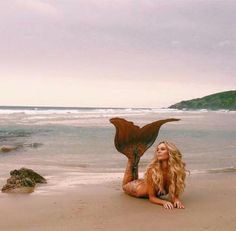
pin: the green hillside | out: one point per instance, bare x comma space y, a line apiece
223, 100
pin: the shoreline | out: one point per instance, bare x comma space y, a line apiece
73, 178
209, 200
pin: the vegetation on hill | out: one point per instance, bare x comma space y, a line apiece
223, 100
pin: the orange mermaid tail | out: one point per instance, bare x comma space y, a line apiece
133, 141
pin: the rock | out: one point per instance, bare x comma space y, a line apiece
25, 173
7, 148
22, 181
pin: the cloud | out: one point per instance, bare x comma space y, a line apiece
39, 6
224, 43
121, 40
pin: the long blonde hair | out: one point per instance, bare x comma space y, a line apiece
176, 175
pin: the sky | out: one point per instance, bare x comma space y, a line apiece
115, 53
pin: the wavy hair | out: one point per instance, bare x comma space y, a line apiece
176, 175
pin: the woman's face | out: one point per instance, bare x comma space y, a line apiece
162, 152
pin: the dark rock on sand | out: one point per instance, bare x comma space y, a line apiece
7, 148
22, 181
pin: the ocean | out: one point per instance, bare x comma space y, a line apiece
71, 146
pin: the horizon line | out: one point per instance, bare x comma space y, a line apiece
75, 107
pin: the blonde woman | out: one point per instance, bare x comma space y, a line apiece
165, 175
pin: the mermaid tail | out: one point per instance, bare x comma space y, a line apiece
133, 141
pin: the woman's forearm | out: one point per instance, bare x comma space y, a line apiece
156, 200
164, 203
174, 198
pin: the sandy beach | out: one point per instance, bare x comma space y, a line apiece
84, 171
209, 199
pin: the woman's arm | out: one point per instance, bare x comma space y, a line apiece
154, 199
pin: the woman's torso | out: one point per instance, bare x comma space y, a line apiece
141, 187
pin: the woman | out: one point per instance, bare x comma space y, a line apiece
164, 175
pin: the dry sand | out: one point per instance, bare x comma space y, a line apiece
210, 201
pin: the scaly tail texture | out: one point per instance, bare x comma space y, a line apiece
133, 141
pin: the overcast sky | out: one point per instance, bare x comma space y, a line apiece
115, 53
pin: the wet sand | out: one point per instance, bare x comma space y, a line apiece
209, 199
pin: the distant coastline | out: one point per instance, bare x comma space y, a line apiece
219, 101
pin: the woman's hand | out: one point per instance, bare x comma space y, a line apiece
178, 204
168, 205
